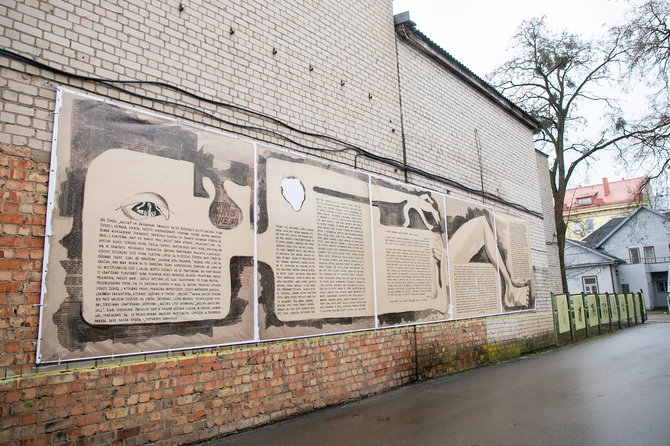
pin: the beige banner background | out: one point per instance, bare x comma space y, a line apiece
152, 244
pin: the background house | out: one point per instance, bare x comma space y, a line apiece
634, 249
587, 208
589, 270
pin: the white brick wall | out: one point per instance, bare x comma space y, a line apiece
343, 41
441, 116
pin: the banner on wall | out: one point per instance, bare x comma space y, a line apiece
515, 262
314, 247
151, 236
152, 243
473, 259
410, 253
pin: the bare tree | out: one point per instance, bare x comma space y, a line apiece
553, 76
647, 41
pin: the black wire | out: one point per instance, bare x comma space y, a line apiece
110, 83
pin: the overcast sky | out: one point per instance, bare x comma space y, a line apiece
477, 33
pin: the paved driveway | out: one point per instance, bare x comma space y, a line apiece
610, 390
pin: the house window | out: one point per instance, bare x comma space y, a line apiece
577, 227
649, 254
584, 201
662, 286
589, 225
634, 255
590, 284
625, 288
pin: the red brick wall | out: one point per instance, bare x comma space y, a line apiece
23, 197
200, 396
450, 347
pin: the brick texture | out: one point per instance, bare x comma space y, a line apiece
330, 67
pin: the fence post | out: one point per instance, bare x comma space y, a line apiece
554, 313
587, 316
609, 309
598, 313
571, 314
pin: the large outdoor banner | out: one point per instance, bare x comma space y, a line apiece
151, 243
314, 247
164, 235
515, 263
410, 253
473, 259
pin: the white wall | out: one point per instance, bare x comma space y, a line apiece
602, 274
645, 228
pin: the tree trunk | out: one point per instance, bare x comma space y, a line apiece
561, 227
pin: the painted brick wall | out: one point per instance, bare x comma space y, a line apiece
447, 124
187, 396
552, 277
343, 42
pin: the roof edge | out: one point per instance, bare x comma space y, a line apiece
602, 254
406, 29
625, 220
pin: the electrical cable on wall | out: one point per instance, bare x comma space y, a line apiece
115, 84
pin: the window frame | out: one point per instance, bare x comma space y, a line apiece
595, 278
630, 255
653, 254
589, 225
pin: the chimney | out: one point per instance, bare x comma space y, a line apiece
606, 187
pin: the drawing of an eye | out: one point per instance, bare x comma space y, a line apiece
145, 205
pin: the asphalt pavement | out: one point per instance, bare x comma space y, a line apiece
614, 389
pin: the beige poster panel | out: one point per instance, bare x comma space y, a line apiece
592, 310
623, 311
314, 247
631, 307
604, 308
152, 237
562, 313
514, 262
473, 265
410, 253
614, 308
578, 311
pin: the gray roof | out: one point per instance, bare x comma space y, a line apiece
609, 258
600, 235
594, 238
